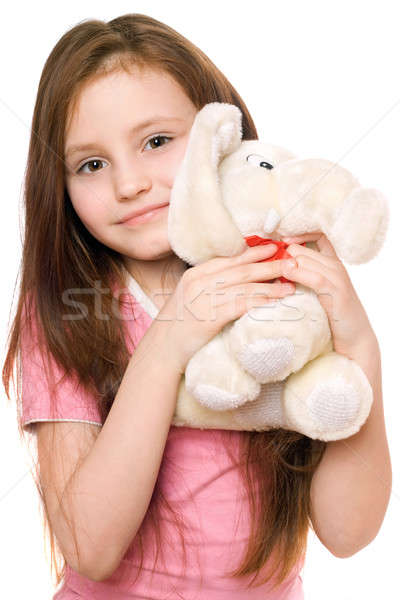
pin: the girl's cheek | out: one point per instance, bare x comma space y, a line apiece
89, 205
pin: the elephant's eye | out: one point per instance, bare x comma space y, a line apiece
258, 161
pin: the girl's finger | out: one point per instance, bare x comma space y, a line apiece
326, 247
313, 274
312, 236
323, 244
259, 272
251, 291
296, 250
251, 254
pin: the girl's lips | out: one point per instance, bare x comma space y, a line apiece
148, 216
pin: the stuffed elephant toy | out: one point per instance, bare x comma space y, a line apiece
275, 366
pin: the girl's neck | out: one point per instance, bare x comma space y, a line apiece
148, 274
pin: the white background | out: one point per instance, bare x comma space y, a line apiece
320, 78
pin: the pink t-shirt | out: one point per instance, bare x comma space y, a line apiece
201, 483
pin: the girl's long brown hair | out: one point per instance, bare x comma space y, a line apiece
59, 253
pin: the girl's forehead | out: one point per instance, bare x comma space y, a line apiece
134, 74
139, 84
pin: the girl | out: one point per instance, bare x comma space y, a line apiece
137, 508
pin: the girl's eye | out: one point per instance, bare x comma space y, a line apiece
97, 160
90, 162
158, 137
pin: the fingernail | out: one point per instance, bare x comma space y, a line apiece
291, 264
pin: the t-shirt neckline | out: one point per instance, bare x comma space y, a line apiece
140, 296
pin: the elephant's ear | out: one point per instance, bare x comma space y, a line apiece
364, 219
199, 226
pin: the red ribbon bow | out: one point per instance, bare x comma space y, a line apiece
255, 240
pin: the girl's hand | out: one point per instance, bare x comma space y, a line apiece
210, 295
324, 273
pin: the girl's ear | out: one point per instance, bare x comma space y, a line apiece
199, 226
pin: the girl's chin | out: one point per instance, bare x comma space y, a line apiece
153, 253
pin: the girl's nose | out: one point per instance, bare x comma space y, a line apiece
131, 181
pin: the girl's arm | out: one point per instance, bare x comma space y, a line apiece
351, 487
109, 493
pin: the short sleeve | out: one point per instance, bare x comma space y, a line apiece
66, 400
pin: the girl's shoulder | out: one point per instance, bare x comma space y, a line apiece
46, 392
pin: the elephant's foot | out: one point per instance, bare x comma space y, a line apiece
329, 399
217, 398
268, 360
215, 378
334, 404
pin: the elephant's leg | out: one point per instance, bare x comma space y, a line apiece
215, 378
277, 339
265, 412
328, 399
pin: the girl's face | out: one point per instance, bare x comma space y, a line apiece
137, 127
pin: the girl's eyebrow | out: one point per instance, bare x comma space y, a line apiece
135, 129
